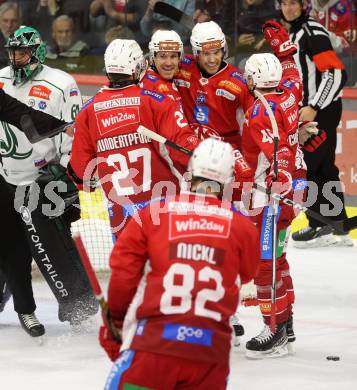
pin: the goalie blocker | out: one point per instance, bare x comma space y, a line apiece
47, 224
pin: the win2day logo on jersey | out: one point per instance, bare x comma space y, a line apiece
110, 120
190, 225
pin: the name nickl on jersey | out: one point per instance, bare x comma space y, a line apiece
120, 102
288, 103
196, 252
121, 141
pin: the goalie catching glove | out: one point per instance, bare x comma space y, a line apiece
278, 39
310, 137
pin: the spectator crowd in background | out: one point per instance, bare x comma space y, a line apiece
81, 28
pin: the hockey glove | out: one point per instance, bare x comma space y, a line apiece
54, 172
310, 137
278, 39
111, 346
280, 184
242, 170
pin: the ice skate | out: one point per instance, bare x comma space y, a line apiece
5, 295
32, 326
268, 344
313, 237
343, 240
238, 330
291, 335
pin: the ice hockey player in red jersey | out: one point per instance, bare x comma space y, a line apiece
166, 51
214, 93
174, 308
131, 168
277, 78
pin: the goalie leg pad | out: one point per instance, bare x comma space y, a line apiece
55, 254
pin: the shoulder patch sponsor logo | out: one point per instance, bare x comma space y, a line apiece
288, 84
226, 94
155, 95
191, 225
163, 88
185, 74
288, 103
73, 92
151, 77
118, 117
230, 86
255, 110
182, 83
32, 102
120, 102
40, 91
2, 85
187, 334
186, 60
42, 105
238, 75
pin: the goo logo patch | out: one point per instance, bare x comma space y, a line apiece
187, 334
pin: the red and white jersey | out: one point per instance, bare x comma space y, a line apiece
257, 139
336, 16
216, 102
131, 167
152, 80
181, 299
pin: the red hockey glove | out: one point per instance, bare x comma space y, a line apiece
282, 184
242, 171
108, 343
278, 39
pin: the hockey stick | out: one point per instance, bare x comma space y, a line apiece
96, 288
33, 135
275, 207
343, 226
174, 13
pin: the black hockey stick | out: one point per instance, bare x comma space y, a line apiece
174, 13
342, 226
32, 133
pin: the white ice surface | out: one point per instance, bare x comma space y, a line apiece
325, 324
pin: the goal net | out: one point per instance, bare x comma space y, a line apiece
94, 228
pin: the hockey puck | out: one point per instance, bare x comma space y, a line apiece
334, 358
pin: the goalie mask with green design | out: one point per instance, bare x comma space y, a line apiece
25, 40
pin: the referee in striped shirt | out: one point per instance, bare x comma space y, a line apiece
323, 77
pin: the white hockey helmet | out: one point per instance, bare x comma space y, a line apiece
207, 36
265, 70
213, 159
124, 56
165, 40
